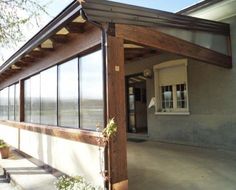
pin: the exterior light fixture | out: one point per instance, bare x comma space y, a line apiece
147, 73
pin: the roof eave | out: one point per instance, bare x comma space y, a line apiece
68, 14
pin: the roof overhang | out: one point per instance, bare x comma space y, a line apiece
102, 11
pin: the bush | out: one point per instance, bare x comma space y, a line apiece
74, 183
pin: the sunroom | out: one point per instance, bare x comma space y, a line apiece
61, 88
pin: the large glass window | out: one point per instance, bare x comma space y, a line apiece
35, 99
11, 102
17, 98
68, 94
27, 100
91, 90
4, 104
49, 96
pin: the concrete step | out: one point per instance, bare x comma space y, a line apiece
25, 175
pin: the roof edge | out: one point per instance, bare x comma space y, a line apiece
198, 6
68, 13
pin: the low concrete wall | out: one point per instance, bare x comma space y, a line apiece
70, 157
10, 135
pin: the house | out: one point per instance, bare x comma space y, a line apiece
161, 76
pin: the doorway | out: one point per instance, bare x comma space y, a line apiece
136, 101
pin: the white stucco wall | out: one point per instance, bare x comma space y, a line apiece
70, 157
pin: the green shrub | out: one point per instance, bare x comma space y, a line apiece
74, 183
3, 144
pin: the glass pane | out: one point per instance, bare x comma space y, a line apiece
27, 100
35, 99
12, 102
68, 94
49, 96
1, 107
91, 90
167, 97
181, 95
4, 104
17, 97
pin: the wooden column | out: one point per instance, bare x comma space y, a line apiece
117, 153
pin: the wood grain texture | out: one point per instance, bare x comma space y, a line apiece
156, 39
78, 44
88, 137
116, 108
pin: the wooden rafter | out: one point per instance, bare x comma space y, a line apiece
59, 38
75, 27
156, 39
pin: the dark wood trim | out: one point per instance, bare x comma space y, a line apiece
80, 44
21, 101
61, 20
117, 151
88, 137
153, 38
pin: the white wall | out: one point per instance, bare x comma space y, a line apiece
70, 157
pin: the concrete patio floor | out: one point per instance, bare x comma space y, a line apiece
160, 166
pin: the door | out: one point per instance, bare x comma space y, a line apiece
136, 103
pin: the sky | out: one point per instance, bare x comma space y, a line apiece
56, 6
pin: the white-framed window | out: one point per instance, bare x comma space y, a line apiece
171, 87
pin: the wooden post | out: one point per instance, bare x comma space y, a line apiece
117, 153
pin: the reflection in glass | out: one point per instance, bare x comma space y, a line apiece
27, 99
12, 103
35, 99
4, 104
91, 90
1, 107
167, 97
68, 94
181, 95
17, 97
49, 96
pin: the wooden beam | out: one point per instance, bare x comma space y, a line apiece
156, 39
117, 166
75, 27
60, 38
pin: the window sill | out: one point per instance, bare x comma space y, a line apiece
172, 113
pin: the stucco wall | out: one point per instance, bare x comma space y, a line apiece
212, 92
70, 157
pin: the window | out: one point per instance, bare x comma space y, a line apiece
11, 102
68, 115
91, 90
49, 96
27, 100
167, 97
17, 98
35, 99
171, 87
67, 95
4, 104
